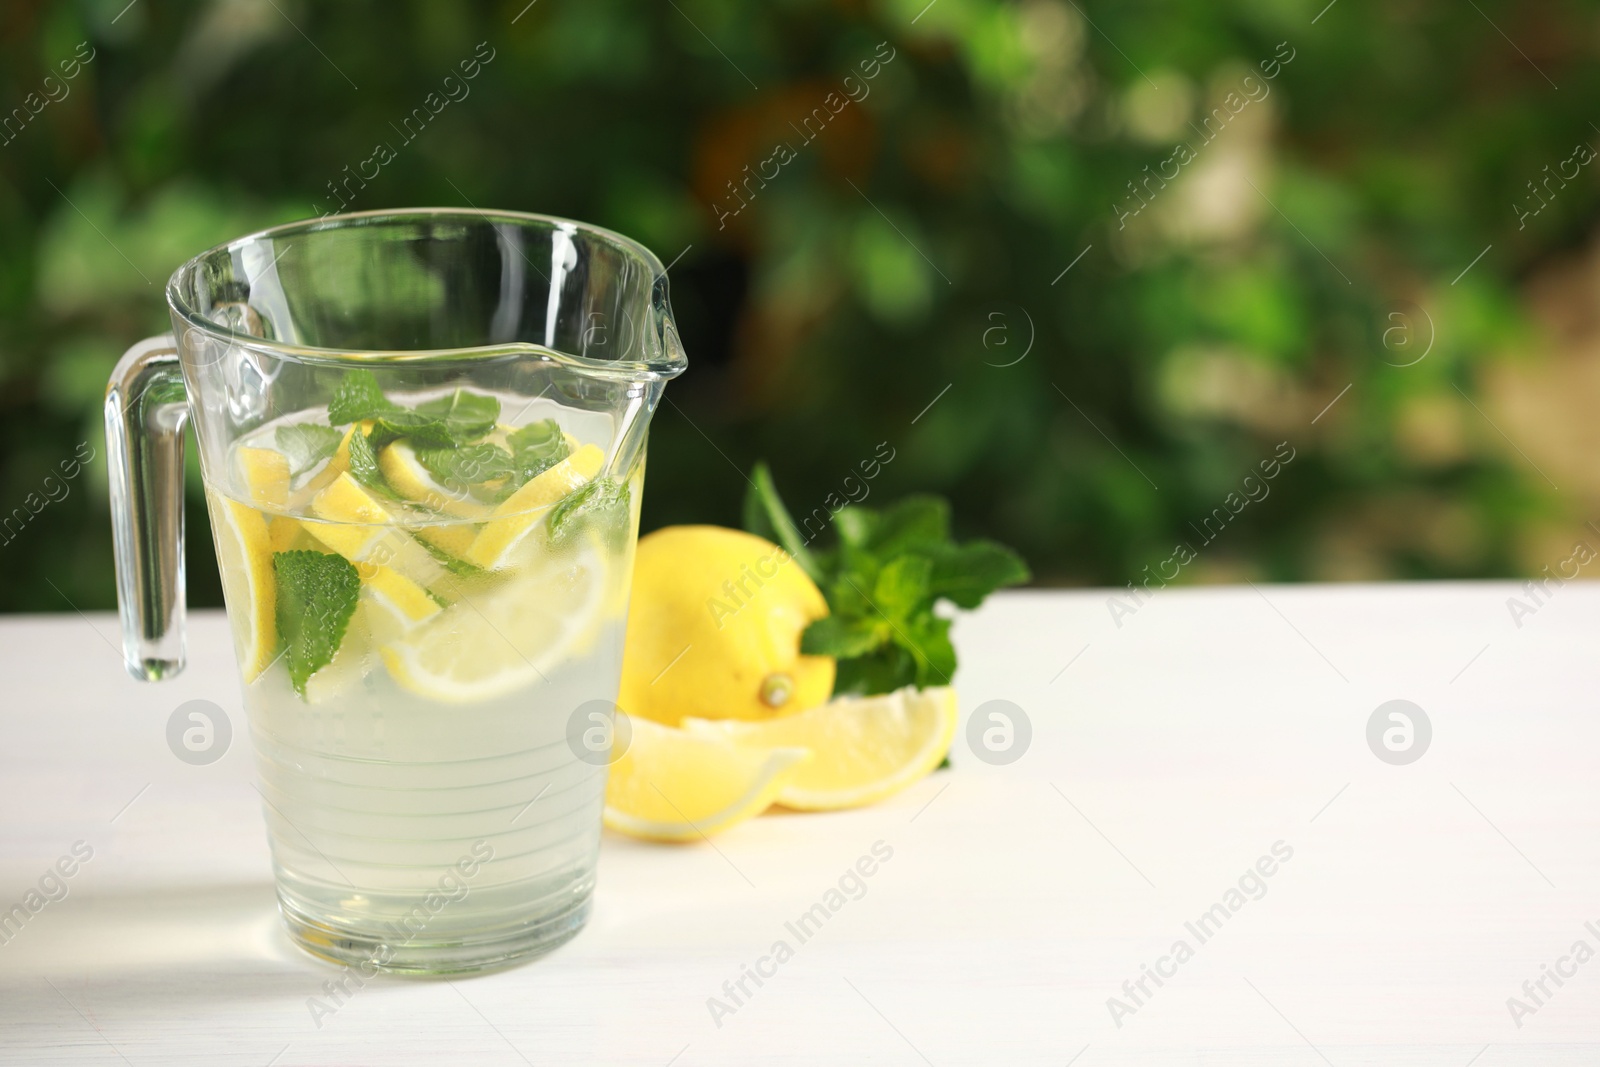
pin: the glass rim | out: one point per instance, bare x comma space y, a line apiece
669, 366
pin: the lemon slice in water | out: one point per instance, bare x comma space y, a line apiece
244, 555
492, 643
265, 474
411, 479
362, 530
520, 512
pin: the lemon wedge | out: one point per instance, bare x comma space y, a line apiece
339, 462
265, 475
867, 748
411, 479
516, 634
520, 512
671, 785
453, 539
286, 534
244, 555
363, 531
394, 603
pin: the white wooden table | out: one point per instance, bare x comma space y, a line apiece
1166, 760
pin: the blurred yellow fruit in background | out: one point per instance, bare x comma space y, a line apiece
714, 629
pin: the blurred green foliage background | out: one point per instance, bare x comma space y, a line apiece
960, 234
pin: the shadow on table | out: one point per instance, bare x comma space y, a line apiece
141, 934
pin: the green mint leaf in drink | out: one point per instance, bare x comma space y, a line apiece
307, 444
358, 397
317, 594
465, 416
424, 431
535, 448
467, 466
364, 466
602, 503
542, 436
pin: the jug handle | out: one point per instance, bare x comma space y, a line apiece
146, 411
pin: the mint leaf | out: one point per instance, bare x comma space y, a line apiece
965, 574
855, 525
358, 397
424, 431
833, 635
915, 522
465, 416
765, 516
306, 444
317, 594
543, 436
535, 448
902, 586
882, 670
927, 638
469, 465
602, 501
890, 569
364, 466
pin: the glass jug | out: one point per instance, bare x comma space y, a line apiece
422, 435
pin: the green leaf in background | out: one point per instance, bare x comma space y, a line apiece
841, 638
465, 416
765, 516
358, 397
307, 444
911, 523
882, 670
965, 574
882, 585
902, 587
317, 594
854, 526
927, 638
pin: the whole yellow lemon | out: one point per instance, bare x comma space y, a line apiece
714, 629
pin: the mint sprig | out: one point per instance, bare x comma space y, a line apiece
317, 594
887, 571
